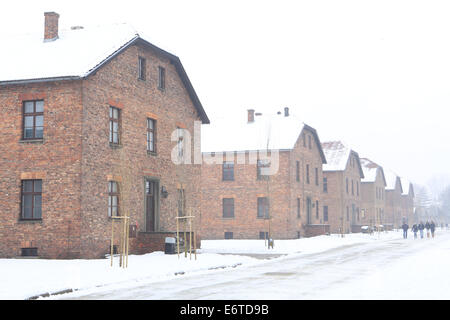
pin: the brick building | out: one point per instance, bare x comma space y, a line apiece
393, 205
89, 118
343, 174
408, 201
262, 176
372, 193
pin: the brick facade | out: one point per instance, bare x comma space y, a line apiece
343, 196
393, 206
373, 199
282, 189
75, 159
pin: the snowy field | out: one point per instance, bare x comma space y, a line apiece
24, 278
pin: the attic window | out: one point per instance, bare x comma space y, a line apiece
161, 78
141, 68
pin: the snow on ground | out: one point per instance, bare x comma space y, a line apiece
303, 245
23, 278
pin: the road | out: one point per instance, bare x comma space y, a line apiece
384, 269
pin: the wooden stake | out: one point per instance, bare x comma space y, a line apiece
112, 240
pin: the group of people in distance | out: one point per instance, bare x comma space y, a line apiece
429, 226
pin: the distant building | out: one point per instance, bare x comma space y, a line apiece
408, 202
373, 194
343, 174
239, 201
393, 205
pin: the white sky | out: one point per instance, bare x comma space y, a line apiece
375, 74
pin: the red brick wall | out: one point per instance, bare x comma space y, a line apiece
283, 190
56, 160
77, 159
338, 199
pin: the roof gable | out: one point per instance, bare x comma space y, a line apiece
338, 155
371, 171
266, 132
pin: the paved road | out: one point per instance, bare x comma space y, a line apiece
361, 271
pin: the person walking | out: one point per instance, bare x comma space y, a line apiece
421, 227
432, 228
405, 230
415, 229
427, 226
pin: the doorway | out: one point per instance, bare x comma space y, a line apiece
151, 205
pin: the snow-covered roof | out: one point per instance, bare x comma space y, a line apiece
406, 186
74, 54
391, 179
337, 154
370, 170
267, 132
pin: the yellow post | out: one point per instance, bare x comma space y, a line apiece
124, 242
178, 240
195, 243
128, 236
112, 240
190, 239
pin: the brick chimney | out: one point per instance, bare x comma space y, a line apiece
51, 26
251, 115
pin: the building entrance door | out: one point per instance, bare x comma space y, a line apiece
308, 210
150, 205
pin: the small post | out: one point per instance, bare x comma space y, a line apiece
178, 240
190, 239
128, 235
195, 243
112, 240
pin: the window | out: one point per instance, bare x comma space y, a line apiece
304, 140
263, 207
259, 165
33, 119
181, 202
114, 119
348, 214
298, 208
228, 207
357, 189
141, 68
353, 190
228, 171
325, 213
325, 185
307, 173
346, 185
263, 235
180, 143
297, 170
161, 78
113, 199
316, 171
309, 142
29, 252
31, 200
317, 209
151, 135
228, 235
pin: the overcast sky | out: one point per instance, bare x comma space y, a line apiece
375, 74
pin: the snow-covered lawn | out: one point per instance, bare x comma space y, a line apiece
24, 278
